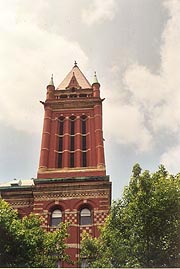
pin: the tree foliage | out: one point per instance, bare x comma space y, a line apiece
143, 228
23, 243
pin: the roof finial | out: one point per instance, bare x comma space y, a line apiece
95, 80
51, 83
75, 63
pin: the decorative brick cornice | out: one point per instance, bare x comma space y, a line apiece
70, 195
21, 203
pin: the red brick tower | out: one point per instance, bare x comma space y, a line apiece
72, 162
72, 140
71, 183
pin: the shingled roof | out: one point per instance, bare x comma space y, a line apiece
77, 77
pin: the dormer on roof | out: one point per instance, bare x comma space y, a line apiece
73, 84
75, 77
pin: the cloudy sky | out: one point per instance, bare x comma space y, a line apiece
134, 45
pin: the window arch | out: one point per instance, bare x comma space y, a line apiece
56, 217
85, 216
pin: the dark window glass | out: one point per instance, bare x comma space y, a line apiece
56, 217
71, 160
72, 140
84, 161
83, 95
60, 144
72, 127
72, 143
83, 141
63, 96
83, 126
59, 160
73, 95
85, 217
61, 127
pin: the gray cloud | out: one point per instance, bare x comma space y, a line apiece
28, 57
157, 95
99, 11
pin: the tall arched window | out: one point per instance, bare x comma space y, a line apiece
72, 140
85, 216
56, 217
83, 141
60, 145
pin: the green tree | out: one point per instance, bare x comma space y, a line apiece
23, 243
55, 246
143, 228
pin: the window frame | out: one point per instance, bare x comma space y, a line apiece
53, 220
85, 219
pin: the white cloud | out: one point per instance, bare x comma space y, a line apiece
154, 104
170, 159
29, 55
99, 11
125, 125
147, 89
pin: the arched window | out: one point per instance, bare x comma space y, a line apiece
72, 140
83, 141
60, 145
85, 217
56, 217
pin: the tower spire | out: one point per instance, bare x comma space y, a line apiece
51, 82
50, 89
96, 86
95, 80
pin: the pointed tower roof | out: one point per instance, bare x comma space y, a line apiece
75, 79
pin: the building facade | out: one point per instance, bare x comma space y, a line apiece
71, 183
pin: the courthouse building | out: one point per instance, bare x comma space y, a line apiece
71, 183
